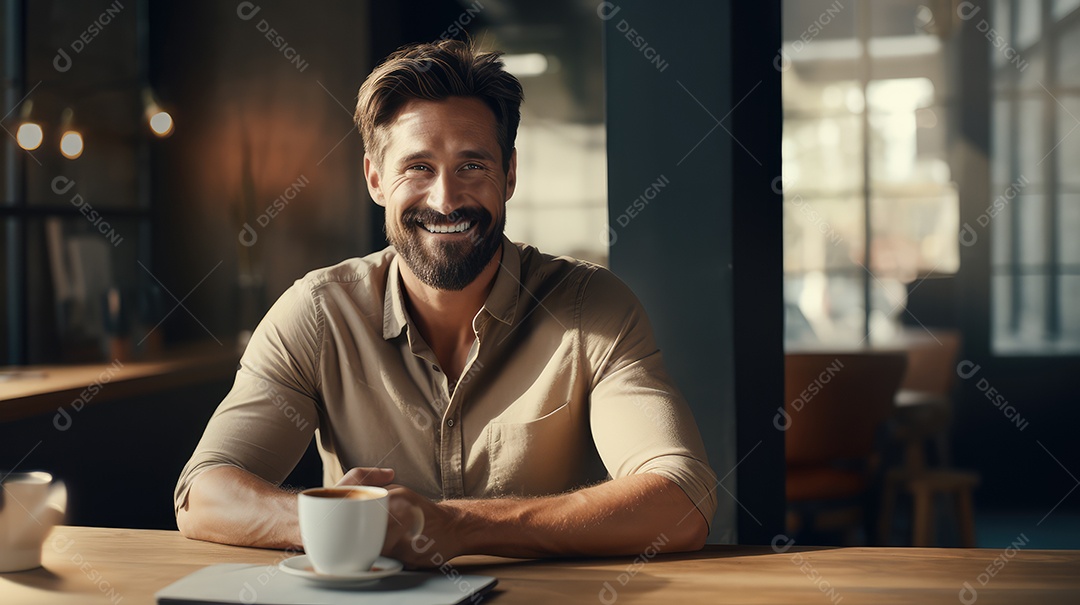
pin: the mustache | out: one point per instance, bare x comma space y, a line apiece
415, 216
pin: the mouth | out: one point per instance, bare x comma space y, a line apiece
451, 229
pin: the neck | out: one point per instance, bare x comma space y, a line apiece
444, 317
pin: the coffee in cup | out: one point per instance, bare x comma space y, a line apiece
343, 528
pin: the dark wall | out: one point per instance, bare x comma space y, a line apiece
119, 459
257, 119
680, 183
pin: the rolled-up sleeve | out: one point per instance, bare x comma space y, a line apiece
640, 422
267, 420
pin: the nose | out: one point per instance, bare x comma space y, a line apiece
442, 196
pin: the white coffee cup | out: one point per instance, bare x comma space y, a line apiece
343, 528
30, 505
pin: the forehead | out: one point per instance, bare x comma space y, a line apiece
446, 125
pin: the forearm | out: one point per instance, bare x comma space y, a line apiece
232, 506
622, 516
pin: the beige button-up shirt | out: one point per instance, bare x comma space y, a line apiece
564, 387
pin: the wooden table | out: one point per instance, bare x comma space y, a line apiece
29, 390
91, 565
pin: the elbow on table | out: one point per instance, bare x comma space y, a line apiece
190, 515
690, 534
187, 521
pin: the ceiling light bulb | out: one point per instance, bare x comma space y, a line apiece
161, 123
29, 136
71, 144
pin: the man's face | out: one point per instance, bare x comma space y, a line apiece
444, 189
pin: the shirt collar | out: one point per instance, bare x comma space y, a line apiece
501, 301
394, 319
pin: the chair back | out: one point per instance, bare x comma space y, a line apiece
932, 363
836, 404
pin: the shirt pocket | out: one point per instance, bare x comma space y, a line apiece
535, 458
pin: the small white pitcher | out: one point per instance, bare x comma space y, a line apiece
30, 505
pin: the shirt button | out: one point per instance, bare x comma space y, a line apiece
450, 422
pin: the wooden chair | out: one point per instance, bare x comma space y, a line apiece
835, 406
924, 414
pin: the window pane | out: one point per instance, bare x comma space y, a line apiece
1031, 65
99, 85
1001, 23
1024, 296
560, 201
915, 236
822, 234
1000, 170
1067, 223
1064, 7
888, 298
804, 97
1030, 148
1000, 228
1068, 56
908, 147
810, 21
824, 308
1068, 133
823, 156
71, 264
1028, 23
1032, 245
1069, 306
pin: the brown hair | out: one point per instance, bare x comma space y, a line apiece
434, 71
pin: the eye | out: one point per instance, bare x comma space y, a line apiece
419, 168
473, 166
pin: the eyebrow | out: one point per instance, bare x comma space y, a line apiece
467, 154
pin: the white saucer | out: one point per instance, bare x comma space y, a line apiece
301, 566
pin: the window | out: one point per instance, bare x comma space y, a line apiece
869, 205
1034, 213
74, 230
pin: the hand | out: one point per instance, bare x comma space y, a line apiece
409, 512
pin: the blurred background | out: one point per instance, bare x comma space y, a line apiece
169, 169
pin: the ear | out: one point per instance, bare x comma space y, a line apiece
511, 175
371, 175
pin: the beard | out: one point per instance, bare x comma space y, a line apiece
446, 265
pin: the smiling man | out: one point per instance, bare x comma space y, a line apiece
516, 399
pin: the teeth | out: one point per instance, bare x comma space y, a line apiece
458, 228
